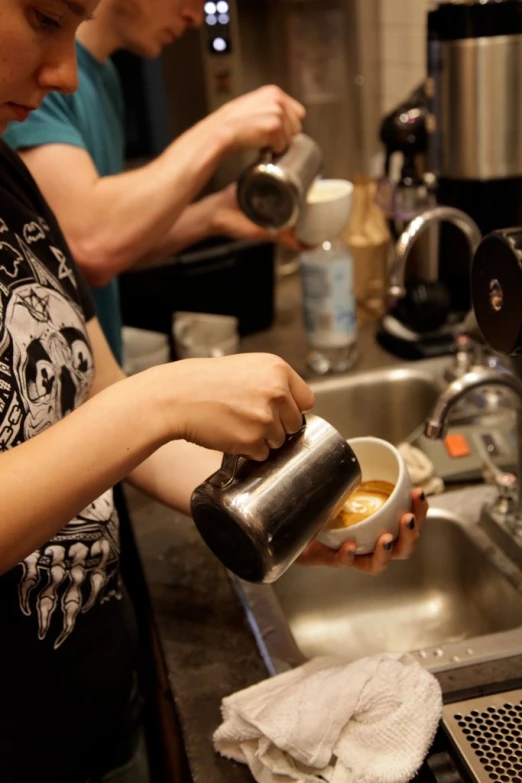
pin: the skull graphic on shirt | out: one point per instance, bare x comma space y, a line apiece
52, 361
53, 369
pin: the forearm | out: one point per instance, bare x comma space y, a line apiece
50, 478
196, 223
171, 474
213, 216
130, 210
112, 222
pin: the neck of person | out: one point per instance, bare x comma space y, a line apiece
98, 38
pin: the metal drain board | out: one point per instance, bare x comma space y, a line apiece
487, 733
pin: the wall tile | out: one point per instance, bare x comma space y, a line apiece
402, 51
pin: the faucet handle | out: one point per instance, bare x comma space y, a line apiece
507, 487
505, 482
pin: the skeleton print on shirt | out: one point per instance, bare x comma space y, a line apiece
46, 371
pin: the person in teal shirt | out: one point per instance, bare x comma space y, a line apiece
74, 145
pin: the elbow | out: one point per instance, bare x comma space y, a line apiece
98, 263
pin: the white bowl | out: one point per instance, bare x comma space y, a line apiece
379, 460
326, 212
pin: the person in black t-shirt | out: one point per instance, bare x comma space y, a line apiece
71, 425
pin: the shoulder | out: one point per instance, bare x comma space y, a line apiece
19, 193
55, 122
15, 177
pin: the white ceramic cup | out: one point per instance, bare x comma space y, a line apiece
324, 216
381, 461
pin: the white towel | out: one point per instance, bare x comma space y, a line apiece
371, 721
421, 469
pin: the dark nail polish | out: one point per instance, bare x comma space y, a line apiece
422, 496
388, 546
411, 523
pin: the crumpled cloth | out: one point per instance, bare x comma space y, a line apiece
371, 721
421, 469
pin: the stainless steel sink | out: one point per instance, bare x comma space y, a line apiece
447, 592
457, 601
387, 404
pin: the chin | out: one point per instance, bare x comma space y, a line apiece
147, 50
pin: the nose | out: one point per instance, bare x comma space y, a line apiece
59, 72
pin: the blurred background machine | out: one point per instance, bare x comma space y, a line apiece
459, 142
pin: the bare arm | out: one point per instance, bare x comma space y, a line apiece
113, 222
215, 215
236, 404
171, 473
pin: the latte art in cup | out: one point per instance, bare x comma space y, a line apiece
365, 501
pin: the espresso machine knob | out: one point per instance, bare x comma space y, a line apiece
496, 290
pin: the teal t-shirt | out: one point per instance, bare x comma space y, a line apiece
93, 119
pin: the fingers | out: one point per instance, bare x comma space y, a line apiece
317, 554
419, 507
406, 542
300, 391
290, 416
294, 113
257, 451
410, 527
297, 109
289, 115
279, 139
377, 562
266, 117
386, 549
276, 434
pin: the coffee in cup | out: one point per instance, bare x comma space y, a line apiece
384, 494
368, 498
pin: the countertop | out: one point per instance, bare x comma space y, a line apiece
206, 642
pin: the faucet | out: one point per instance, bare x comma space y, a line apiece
479, 377
413, 231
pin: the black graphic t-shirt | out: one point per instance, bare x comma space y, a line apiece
67, 632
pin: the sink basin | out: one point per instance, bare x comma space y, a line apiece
447, 592
457, 601
387, 403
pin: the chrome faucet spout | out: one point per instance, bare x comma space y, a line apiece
436, 424
415, 229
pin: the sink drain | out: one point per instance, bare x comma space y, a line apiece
487, 732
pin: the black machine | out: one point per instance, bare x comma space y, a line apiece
219, 276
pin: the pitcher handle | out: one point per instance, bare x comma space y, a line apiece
230, 463
228, 469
